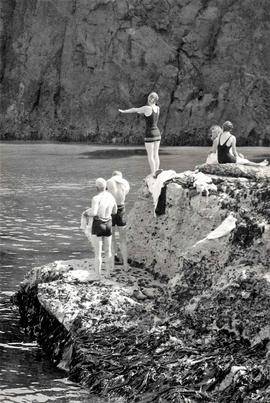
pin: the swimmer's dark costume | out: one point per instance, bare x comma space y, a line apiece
101, 227
119, 218
223, 153
152, 132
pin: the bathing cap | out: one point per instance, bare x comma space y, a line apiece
101, 183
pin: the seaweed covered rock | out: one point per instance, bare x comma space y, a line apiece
235, 170
189, 321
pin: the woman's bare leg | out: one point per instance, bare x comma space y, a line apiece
244, 161
150, 155
156, 155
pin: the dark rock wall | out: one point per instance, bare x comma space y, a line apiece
68, 65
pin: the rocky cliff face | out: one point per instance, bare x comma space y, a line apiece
66, 67
190, 322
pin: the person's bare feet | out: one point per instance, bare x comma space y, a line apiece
158, 171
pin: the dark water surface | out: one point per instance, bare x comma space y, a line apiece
44, 189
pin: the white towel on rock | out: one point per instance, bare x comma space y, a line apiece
156, 184
223, 229
86, 224
203, 182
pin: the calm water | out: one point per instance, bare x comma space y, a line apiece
44, 189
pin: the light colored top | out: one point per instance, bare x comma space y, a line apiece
103, 205
119, 188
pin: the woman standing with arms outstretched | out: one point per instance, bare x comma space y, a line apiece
152, 134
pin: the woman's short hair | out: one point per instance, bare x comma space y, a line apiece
227, 126
153, 94
215, 131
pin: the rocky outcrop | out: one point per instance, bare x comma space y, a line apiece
164, 242
189, 320
67, 66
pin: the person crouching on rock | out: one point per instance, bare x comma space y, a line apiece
152, 135
103, 205
224, 147
119, 188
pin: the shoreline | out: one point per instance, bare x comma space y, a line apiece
121, 145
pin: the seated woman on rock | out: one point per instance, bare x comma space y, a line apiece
224, 147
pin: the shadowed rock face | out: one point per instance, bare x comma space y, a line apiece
67, 66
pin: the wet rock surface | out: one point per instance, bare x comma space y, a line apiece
67, 66
187, 322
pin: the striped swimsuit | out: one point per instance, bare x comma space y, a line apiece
152, 132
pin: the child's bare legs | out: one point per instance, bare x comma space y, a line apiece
123, 245
97, 243
109, 258
114, 244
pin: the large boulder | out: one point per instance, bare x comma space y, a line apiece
163, 242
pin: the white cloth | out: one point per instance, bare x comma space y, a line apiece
156, 184
223, 229
203, 182
212, 159
86, 224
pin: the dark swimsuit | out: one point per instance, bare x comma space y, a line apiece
119, 218
152, 132
101, 227
223, 153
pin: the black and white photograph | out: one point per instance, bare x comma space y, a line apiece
135, 201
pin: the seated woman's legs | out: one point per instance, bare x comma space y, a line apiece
244, 161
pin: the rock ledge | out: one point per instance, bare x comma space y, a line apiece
189, 323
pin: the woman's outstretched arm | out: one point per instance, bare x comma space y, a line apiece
146, 110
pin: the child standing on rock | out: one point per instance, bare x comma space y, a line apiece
102, 207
